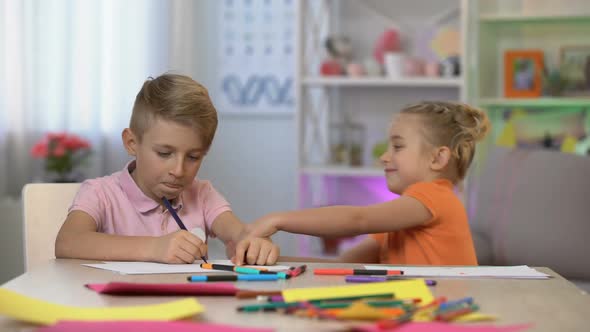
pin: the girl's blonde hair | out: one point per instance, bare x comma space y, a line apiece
455, 125
175, 98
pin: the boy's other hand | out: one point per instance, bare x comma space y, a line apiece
256, 251
180, 247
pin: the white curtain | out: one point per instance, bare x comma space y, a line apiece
75, 66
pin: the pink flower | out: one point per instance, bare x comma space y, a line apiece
39, 150
59, 150
62, 152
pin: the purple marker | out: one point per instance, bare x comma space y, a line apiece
364, 279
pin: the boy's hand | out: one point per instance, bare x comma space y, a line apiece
256, 251
178, 248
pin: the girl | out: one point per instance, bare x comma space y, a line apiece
431, 147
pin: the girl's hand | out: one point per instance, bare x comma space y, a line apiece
263, 227
180, 247
256, 251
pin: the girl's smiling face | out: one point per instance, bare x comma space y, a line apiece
407, 159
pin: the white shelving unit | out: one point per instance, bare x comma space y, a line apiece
368, 101
383, 81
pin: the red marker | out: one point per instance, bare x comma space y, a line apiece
348, 272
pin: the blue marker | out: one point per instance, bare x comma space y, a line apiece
239, 277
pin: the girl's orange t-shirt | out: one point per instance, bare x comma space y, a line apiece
443, 240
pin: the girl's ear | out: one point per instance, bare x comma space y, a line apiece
129, 141
441, 158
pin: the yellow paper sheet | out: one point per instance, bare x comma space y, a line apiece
474, 317
31, 310
403, 289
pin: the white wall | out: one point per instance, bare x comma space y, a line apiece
252, 160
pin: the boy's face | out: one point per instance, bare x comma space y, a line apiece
406, 161
168, 158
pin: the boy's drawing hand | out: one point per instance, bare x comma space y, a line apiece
256, 251
178, 248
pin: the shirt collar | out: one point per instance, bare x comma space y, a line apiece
138, 199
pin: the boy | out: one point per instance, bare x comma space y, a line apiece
123, 216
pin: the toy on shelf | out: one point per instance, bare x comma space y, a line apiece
388, 42
339, 50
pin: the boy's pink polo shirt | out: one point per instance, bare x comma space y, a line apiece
119, 207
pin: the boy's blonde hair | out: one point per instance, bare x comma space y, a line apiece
455, 125
175, 98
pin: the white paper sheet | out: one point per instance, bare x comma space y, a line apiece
158, 268
517, 272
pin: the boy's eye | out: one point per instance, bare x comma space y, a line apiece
164, 154
195, 158
397, 147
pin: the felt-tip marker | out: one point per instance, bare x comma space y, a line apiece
230, 277
345, 272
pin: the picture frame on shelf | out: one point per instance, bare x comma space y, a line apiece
574, 67
523, 73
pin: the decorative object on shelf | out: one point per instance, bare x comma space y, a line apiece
413, 66
446, 42
388, 42
346, 144
354, 69
432, 69
574, 66
63, 153
523, 72
339, 48
331, 67
450, 66
553, 83
565, 129
394, 62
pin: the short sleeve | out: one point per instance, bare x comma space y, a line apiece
425, 193
214, 203
88, 200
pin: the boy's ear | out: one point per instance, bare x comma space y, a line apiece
441, 158
129, 141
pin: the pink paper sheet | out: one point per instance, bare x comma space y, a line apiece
444, 327
143, 326
129, 288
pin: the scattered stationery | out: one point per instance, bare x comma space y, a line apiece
296, 271
251, 294
158, 268
517, 272
245, 270
415, 288
143, 326
130, 288
346, 272
365, 278
177, 219
443, 327
36, 311
232, 277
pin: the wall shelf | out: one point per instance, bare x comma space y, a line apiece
343, 171
519, 18
455, 82
535, 102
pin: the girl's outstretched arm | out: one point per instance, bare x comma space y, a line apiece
397, 214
